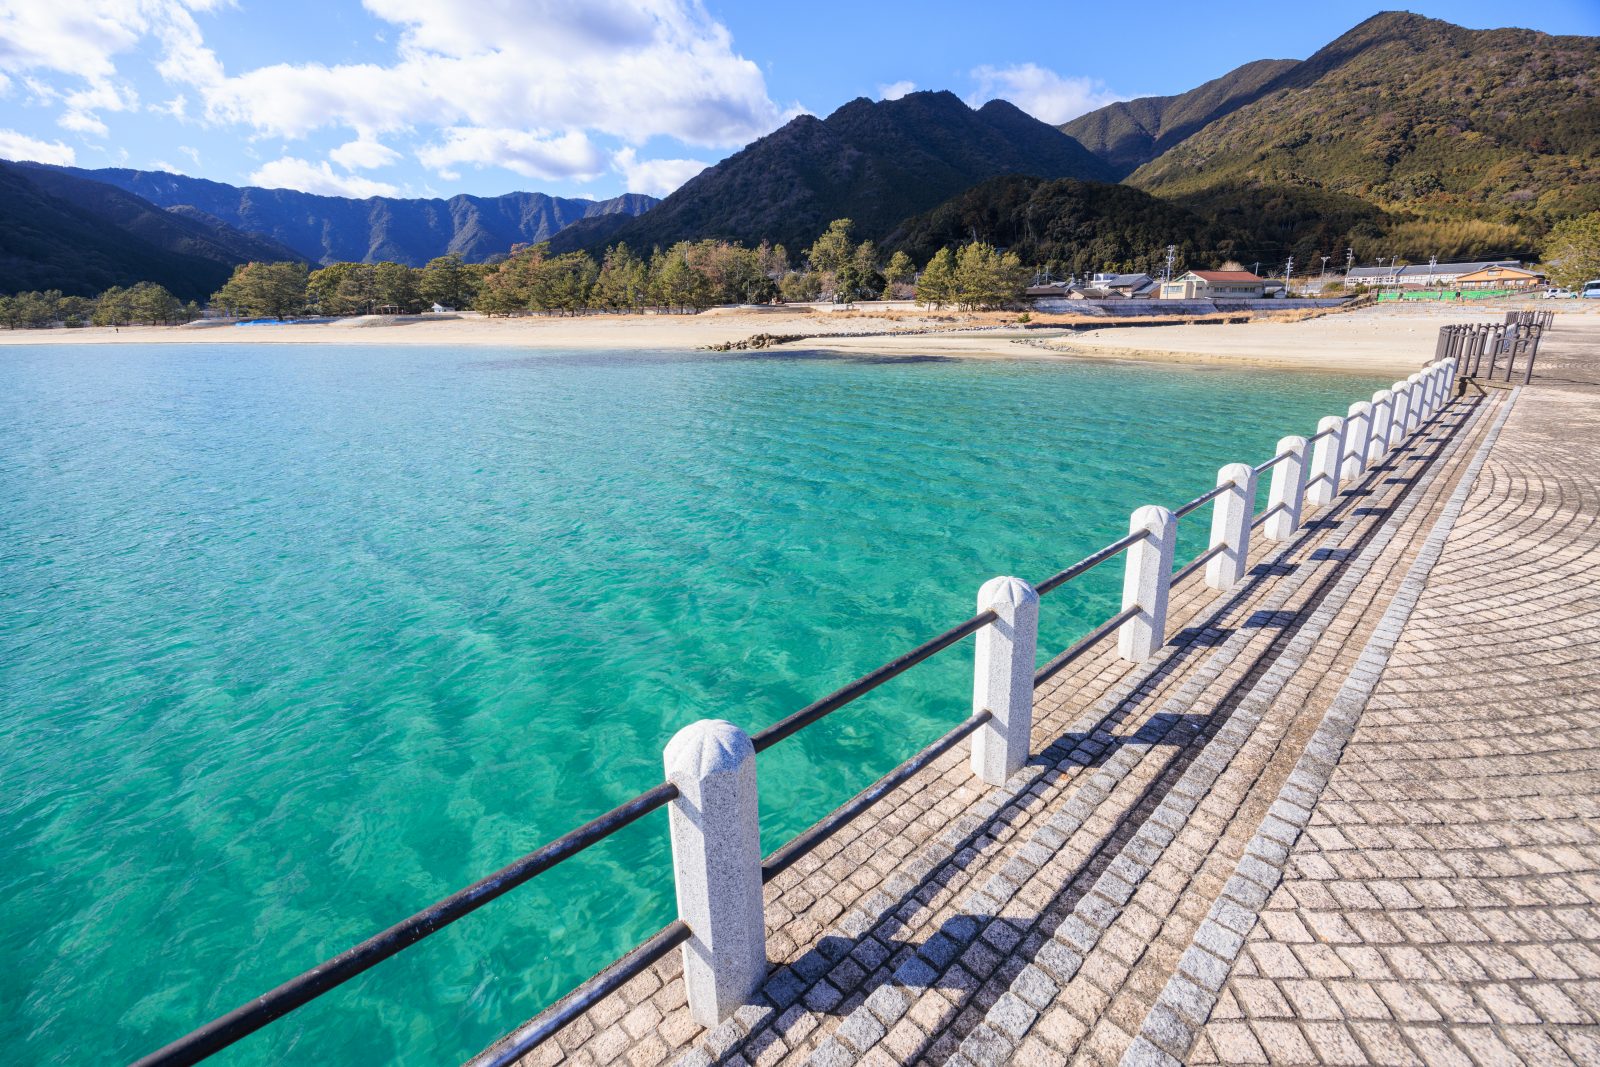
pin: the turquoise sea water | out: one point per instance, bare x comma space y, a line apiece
295, 640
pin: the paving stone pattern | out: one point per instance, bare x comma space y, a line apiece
1443, 905
1347, 815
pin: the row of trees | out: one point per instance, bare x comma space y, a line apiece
688, 276
281, 290
145, 303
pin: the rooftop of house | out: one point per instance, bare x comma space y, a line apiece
1412, 270
1227, 275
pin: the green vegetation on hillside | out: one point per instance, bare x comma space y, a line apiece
1405, 136
1067, 226
1572, 254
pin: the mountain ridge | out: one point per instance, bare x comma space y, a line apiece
58, 231
325, 229
1130, 133
1415, 132
876, 163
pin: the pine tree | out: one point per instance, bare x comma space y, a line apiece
936, 287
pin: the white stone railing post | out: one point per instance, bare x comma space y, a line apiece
1402, 413
1323, 485
1357, 428
1003, 678
1419, 402
1431, 378
716, 857
1146, 581
1288, 489
1230, 525
1382, 415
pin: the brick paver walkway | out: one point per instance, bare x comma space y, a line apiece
1387, 715
1442, 906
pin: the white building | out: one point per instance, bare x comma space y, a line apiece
1214, 285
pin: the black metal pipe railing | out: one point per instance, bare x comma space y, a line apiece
542, 1027
248, 1018
1083, 644
809, 714
1262, 468
1202, 500
1267, 514
1199, 561
789, 854
1090, 562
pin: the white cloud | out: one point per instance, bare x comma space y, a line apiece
84, 106
83, 122
80, 40
570, 155
895, 90
625, 68
363, 155
658, 177
14, 145
521, 84
192, 152
292, 173
1040, 92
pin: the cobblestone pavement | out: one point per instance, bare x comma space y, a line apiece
1442, 904
1302, 832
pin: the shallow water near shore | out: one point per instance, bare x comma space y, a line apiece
296, 640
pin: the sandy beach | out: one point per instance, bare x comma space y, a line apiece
1377, 339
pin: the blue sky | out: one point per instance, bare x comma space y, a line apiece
437, 97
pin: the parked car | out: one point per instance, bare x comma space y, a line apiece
1558, 293
1591, 290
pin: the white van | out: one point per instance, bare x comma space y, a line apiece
1591, 290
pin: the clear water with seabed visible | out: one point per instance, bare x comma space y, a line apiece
296, 639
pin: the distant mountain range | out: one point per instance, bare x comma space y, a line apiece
332, 229
875, 163
1405, 136
58, 231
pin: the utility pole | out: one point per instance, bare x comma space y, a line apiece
1172, 254
1257, 268
1349, 259
1288, 277
1324, 283
1433, 261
